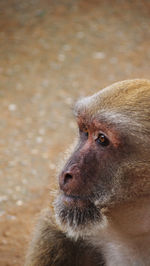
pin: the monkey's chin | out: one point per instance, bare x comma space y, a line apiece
75, 214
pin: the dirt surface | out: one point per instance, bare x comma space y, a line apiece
51, 53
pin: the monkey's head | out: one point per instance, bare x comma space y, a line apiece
111, 162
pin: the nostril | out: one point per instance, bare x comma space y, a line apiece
67, 180
67, 177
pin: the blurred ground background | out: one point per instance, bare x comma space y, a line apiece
52, 53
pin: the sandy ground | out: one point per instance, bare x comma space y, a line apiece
52, 53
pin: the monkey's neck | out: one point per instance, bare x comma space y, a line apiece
125, 239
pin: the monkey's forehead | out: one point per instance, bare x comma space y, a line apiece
129, 98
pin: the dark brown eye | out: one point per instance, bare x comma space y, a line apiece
102, 140
85, 131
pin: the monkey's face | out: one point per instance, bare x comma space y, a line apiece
110, 163
87, 180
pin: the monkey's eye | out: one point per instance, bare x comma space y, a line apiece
102, 140
84, 131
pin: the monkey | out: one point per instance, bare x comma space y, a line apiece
100, 213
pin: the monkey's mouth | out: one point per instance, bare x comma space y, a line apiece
75, 200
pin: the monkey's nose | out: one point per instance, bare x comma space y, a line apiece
67, 177
65, 180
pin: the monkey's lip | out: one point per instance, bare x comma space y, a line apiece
75, 200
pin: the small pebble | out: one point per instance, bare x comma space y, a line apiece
61, 57
39, 139
99, 55
11, 217
24, 181
18, 188
3, 198
4, 241
34, 151
113, 60
67, 47
45, 155
42, 131
12, 107
80, 35
34, 172
19, 203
